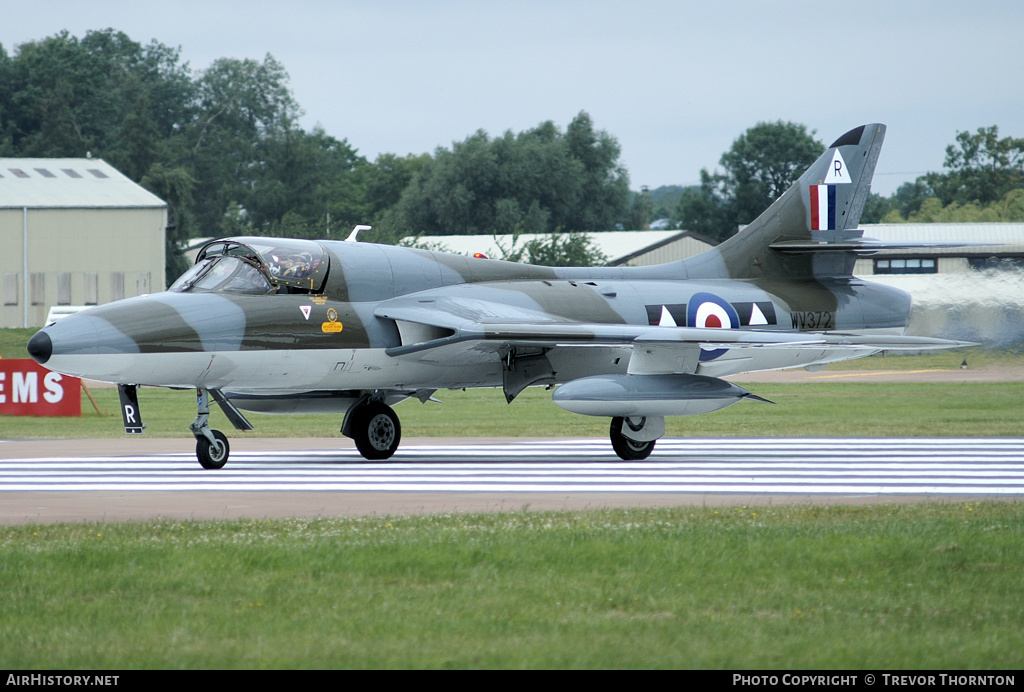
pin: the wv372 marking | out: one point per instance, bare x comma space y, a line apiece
814, 319
286, 326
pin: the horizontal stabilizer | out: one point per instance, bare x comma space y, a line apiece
865, 246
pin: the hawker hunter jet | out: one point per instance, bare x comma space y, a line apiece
290, 326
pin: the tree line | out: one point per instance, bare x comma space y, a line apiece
223, 147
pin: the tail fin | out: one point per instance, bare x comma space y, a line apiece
811, 230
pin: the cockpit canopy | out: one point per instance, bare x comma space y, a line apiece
257, 265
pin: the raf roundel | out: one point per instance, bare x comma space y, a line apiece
711, 312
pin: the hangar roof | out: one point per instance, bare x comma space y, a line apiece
617, 246
70, 184
997, 238
1008, 233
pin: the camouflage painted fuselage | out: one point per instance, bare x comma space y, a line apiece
334, 340
396, 322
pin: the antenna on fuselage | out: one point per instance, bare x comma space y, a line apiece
355, 232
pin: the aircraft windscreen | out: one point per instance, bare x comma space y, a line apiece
289, 265
299, 265
227, 274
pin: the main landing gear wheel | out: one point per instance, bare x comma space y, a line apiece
210, 455
627, 449
376, 430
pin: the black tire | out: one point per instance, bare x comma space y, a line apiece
376, 430
627, 449
210, 456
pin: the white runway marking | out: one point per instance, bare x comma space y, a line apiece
833, 466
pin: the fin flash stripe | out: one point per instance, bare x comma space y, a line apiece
823, 207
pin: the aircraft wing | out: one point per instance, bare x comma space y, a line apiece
867, 246
461, 324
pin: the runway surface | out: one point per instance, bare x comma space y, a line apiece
470, 476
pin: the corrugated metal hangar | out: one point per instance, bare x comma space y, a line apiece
1003, 248
622, 248
74, 232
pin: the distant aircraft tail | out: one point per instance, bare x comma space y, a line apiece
809, 232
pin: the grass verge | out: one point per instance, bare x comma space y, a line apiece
892, 587
14, 342
819, 409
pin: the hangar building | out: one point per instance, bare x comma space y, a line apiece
74, 232
622, 248
1003, 248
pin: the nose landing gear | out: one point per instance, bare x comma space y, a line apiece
212, 448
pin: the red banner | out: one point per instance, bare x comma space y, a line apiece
28, 389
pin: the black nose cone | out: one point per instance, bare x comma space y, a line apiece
40, 347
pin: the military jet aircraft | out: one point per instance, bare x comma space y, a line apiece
286, 326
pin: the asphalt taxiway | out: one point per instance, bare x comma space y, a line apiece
139, 479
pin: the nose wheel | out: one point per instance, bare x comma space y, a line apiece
213, 455
212, 448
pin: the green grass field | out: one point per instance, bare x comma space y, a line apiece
14, 341
832, 409
889, 586
886, 587
819, 409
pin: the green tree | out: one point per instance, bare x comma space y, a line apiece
174, 185
983, 177
907, 200
549, 249
761, 164
307, 175
605, 183
538, 180
65, 97
6, 99
638, 217
664, 200
380, 185
138, 149
241, 105
385, 180
707, 209
981, 168
565, 250
1008, 209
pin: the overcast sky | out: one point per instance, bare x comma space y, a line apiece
674, 81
